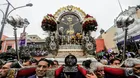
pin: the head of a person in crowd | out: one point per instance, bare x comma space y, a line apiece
33, 62
115, 62
4, 70
87, 64
26, 63
111, 57
1, 63
136, 67
133, 63
104, 61
98, 69
51, 64
139, 51
16, 64
83, 63
25, 56
129, 62
56, 64
106, 54
25, 59
42, 67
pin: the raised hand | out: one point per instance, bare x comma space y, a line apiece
91, 75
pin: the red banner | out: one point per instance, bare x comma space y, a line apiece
100, 45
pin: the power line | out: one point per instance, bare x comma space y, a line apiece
120, 5
3, 4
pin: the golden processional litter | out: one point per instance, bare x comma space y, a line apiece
70, 31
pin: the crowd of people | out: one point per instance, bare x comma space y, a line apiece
39, 53
29, 67
26, 67
130, 68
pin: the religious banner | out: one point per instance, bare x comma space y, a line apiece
23, 40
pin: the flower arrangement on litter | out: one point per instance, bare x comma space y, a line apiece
89, 23
49, 23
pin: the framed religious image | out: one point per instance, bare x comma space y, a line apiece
69, 24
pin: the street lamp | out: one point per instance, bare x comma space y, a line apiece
123, 21
17, 22
6, 14
27, 5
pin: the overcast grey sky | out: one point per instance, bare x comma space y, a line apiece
105, 11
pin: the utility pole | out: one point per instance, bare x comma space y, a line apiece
3, 23
6, 14
123, 21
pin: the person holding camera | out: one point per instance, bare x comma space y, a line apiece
70, 69
132, 67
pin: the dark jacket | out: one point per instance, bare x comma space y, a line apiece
33, 76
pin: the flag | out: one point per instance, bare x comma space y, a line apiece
23, 40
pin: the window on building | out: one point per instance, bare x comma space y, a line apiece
31, 37
1, 44
9, 47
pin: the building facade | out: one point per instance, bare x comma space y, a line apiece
3, 43
108, 37
35, 41
9, 42
133, 34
